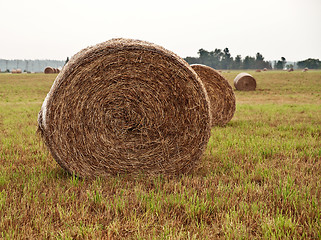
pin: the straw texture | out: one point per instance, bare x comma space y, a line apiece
220, 93
126, 106
245, 82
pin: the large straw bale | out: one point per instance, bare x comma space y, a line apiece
220, 93
126, 106
245, 82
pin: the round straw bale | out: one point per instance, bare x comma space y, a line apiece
258, 70
14, 71
126, 106
305, 69
18, 70
245, 82
220, 93
49, 70
264, 69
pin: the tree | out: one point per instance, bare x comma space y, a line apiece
204, 56
226, 59
259, 61
281, 63
310, 63
238, 62
249, 62
67, 60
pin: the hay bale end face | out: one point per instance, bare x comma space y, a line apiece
245, 82
126, 106
49, 70
220, 93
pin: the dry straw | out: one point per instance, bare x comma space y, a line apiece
49, 70
220, 93
245, 82
126, 106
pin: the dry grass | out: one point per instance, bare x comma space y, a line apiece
126, 106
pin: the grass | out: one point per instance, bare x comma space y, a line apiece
260, 177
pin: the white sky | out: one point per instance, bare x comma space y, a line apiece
41, 29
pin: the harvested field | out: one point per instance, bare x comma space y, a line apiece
260, 176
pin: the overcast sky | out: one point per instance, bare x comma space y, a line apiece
41, 29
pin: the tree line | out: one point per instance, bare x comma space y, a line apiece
219, 59
222, 59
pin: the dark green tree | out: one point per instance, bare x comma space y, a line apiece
67, 60
226, 59
310, 63
259, 61
237, 62
249, 62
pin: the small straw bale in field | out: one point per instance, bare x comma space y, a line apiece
14, 71
18, 70
126, 106
49, 70
258, 70
264, 69
290, 70
244, 82
220, 93
305, 69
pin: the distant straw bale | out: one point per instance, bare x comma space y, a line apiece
49, 70
290, 70
126, 106
18, 70
220, 93
258, 70
305, 69
264, 69
245, 82
14, 71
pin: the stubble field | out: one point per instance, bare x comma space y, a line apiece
260, 177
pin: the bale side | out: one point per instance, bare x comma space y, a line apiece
220, 93
126, 106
